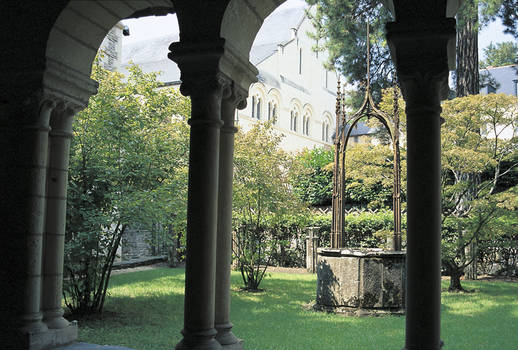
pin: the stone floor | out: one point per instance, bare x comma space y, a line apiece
86, 346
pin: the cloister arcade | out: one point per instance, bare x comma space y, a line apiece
47, 54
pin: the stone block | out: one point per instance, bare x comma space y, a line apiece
360, 282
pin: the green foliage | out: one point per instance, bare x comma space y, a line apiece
312, 176
128, 162
479, 149
363, 229
262, 199
500, 54
368, 172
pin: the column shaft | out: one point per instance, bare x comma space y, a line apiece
54, 241
423, 262
200, 271
27, 179
224, 242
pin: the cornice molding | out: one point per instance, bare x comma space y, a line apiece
68, 85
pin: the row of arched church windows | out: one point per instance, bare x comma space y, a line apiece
294, 116
256, 109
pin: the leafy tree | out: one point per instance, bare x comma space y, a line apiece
500, 54
478, 141
262, 199
341, 30
503, 9
368, 176
312, 176
127, 167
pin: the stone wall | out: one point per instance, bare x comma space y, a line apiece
360, 281
112, 48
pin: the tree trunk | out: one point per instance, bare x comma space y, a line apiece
455, 285
467, 75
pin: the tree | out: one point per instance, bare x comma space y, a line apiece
262, 199
341, 30
503, 9
479, 139
127, 167
500, 54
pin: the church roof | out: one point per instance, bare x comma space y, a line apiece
151, 54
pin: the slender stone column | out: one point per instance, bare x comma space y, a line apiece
422, 64
224, 242
54, 241
28, 177
202, 81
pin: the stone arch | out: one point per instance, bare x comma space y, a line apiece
76, 36
239, 33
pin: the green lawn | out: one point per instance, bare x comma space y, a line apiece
144, 311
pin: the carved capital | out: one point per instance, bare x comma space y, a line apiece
62, 118
236, 98
421, 51
199, 62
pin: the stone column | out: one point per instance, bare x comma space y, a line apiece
421, 59
54, 240
23, 181
224, 243
205, 86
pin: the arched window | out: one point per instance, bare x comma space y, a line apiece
305, 124
258, 111
325, 131
293, 121
300, 61
253, 106
272, 112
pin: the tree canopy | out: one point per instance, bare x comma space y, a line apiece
128, 162
500, 54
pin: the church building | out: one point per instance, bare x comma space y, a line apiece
294, 91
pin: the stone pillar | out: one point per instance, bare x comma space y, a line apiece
202, 81
54, 240
34, 147
24, 128
421, 56
224, 242
311, 250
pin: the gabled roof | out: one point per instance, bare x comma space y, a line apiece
505, 78
151, 54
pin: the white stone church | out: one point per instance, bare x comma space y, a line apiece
294, 90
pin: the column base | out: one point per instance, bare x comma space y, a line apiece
52, 338
226, 338
239, 345
54, 319
198, 340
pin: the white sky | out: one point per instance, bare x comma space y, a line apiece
149, 27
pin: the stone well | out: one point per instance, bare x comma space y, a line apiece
360, 281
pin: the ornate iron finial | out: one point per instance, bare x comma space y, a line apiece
338, 97
368, 59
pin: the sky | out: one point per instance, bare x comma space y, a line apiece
149, 27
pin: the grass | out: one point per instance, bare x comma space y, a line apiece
144, 311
